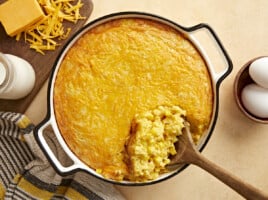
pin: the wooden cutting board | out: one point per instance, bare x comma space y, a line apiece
42, 64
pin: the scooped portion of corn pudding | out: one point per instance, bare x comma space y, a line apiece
152, 139
119, 69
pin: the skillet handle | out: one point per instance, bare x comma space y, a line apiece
40, 137
229, 65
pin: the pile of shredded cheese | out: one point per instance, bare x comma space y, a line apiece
44, 35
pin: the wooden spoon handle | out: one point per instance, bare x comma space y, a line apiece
241, 187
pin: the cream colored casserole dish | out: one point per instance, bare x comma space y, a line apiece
115, 68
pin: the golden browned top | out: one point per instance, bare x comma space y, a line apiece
121, 68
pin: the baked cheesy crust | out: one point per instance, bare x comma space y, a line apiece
118, 69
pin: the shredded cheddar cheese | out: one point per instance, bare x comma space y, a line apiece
44, 35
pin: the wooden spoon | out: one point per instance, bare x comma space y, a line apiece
187, 154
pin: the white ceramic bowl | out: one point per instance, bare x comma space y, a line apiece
50, 121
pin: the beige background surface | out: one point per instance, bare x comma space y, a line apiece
237, 144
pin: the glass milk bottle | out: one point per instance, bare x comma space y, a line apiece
17, 77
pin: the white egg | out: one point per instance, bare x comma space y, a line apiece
255, 100
258, 71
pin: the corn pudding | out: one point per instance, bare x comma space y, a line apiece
151, 142
117, 70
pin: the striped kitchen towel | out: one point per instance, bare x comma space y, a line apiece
25, 172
